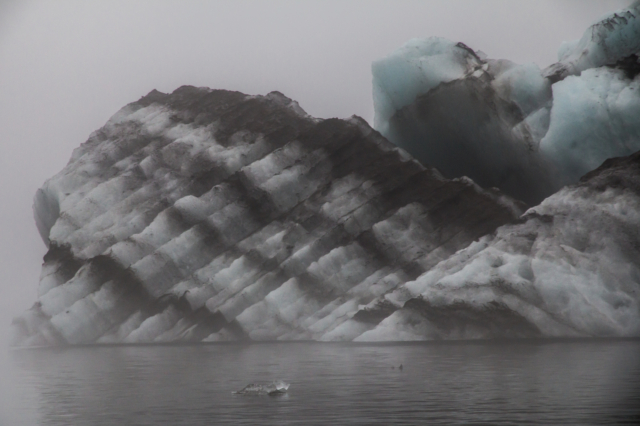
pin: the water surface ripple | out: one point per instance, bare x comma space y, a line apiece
472, 383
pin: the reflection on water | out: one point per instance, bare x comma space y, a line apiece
448, 383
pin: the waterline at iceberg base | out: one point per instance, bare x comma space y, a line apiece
208, 215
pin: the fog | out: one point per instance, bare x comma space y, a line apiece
67, 66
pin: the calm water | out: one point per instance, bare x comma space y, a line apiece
577, 383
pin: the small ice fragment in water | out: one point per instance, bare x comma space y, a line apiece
273, 388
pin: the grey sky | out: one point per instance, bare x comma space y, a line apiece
67, 66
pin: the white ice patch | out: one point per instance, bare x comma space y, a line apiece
155, 119
408, 233
262, 170
347, 195
293, 184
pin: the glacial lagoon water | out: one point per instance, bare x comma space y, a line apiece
489, 383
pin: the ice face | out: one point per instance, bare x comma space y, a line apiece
211, 215
515, 127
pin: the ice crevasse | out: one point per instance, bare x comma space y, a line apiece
524, 130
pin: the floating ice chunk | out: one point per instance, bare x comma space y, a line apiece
274, 388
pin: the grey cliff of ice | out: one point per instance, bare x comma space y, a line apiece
208, 215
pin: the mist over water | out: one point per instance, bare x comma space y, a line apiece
532, 382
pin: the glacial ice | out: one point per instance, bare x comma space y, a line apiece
524, 130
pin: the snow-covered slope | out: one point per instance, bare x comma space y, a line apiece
524, 130
212, 215
570, 268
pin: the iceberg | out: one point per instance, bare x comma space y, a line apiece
524, 130
209, 215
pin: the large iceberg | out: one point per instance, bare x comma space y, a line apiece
208, 215
524, 130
